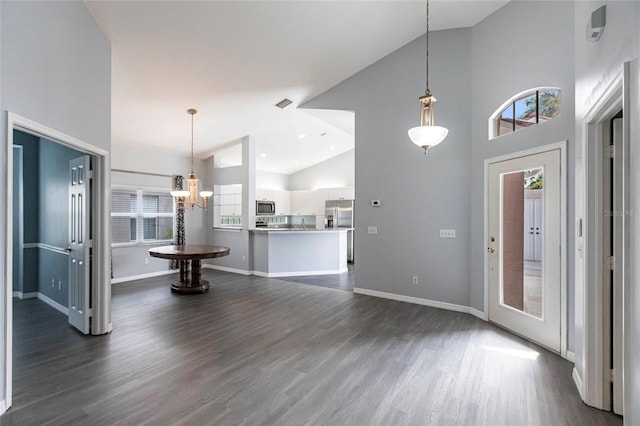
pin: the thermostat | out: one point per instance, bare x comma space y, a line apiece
375, 203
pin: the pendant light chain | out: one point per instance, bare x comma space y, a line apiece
192, 142
427, 50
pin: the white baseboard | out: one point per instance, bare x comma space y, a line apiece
46, 299
478, 314
29, 295
55, 305
578, 381
571, 357
227, 269
299, 274
143, 276
416, 300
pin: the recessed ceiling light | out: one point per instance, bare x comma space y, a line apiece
302, 136
284, 103
332, 147
296, 163
263, 155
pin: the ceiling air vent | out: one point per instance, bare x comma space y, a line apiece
284, 103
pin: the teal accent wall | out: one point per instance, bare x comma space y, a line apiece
31, 212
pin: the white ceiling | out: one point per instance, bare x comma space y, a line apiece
234, 60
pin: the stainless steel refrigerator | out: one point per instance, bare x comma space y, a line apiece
339, 214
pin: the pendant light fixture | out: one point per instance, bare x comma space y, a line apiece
190, 197
427, 134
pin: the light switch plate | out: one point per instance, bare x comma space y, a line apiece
372, 229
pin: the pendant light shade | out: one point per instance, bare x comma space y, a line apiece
427, 134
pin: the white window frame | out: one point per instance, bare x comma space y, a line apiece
498, 112
140, 215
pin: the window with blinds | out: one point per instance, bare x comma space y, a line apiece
140, 216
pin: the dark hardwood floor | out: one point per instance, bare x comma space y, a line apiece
344, 281
266, 351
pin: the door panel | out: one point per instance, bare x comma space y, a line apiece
524, 246
79, 243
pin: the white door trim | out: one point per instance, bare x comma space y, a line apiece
101, 288
562, 146
589, 309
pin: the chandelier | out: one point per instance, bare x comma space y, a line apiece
190, 197
427, 134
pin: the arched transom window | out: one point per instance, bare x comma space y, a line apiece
525, 109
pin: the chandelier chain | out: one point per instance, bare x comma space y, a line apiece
427, 48
192, 142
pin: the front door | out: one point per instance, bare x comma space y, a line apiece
79, 243
524, 246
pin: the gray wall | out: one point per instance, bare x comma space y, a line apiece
336, 172
632, 295
130, 261
73, 95
415, 190
497, 76
271, 180
239, 241
596, 65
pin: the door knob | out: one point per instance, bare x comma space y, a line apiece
68, 250
491, 249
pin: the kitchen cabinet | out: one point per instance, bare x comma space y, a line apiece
283, 202
303, 202
322, 195
346, 193
264, 194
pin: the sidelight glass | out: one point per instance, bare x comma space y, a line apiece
522, 230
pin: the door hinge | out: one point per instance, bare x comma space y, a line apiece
91, 172
612, 263
90, 315
612, 151
612, 375
89, 243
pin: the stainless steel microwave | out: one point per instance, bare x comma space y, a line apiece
264, 208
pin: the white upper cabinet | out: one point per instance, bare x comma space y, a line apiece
265, 194
322, 195
346, 193
303, 202
283, 202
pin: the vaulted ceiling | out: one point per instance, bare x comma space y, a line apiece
234, 60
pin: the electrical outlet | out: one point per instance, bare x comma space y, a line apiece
244, 258
59, 285
146, 260
415, 280
447, 233
372, 229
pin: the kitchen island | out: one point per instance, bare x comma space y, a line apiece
285, 252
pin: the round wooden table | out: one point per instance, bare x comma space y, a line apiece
189, 283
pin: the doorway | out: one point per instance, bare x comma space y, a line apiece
100, 277
525, 200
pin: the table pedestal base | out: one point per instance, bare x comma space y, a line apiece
187, 288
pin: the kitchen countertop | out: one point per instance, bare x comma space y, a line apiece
299, 230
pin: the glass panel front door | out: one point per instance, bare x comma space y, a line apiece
522, 206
